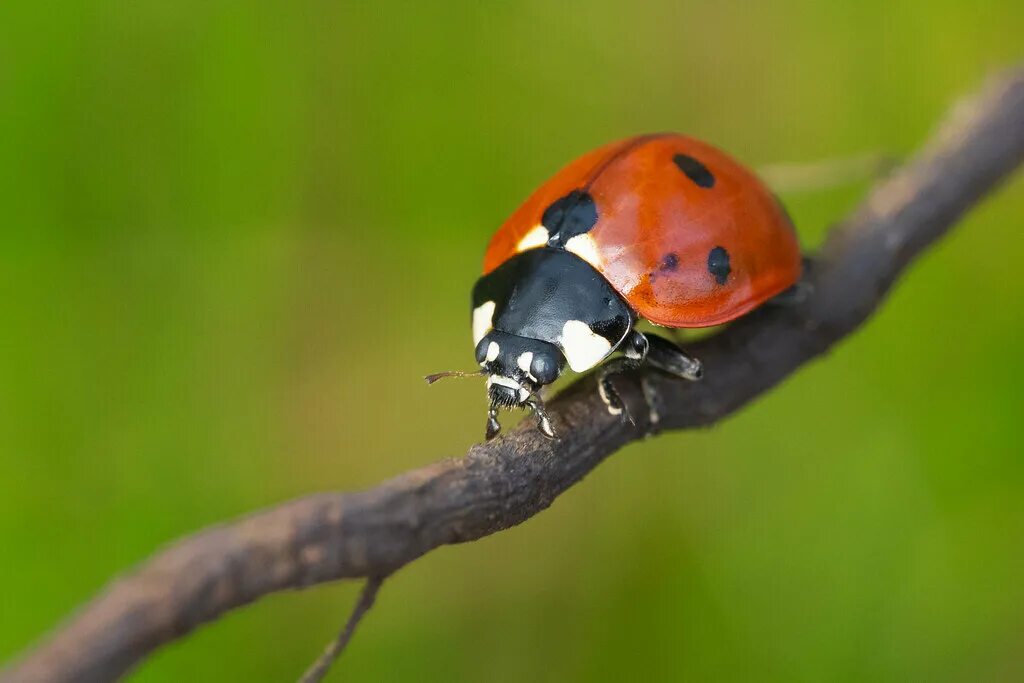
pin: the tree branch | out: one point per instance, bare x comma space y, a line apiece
498, 485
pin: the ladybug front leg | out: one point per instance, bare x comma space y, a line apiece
543, 422
493, 426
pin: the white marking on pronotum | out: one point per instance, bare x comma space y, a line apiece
537, 237
492, 351
483, 316
583, 347
585, 247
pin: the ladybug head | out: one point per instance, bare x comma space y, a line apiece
516, 367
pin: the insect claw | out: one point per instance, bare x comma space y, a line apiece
493, 426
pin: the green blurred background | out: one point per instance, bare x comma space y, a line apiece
236, 235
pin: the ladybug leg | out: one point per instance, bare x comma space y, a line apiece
794, 296
493, 426
543, 423
798, 293
640, 348
667, 357
611, 398
634, 349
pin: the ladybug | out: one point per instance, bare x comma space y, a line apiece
662, 227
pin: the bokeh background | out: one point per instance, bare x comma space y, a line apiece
236, 235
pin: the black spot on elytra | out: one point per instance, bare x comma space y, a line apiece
668, 264
571, 215
694, 170
718, 264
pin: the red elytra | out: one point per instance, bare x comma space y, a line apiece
665, 202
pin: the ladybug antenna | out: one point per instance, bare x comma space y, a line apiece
452, 373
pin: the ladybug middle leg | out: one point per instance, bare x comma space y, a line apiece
640, 348
667, 357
